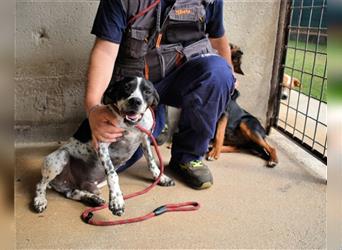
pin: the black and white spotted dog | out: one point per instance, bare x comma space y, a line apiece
76, 169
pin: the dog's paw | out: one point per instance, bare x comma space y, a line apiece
117, 205
94, 200
211, 158
39, 204
213, 155
271, 164
166, 181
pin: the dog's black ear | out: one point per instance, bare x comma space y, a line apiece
155, 98
152, 96
110, 95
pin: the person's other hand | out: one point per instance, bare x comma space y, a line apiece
103, 124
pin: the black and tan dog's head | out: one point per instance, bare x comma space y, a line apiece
131, 97
236, 58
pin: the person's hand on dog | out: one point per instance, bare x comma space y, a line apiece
103, 124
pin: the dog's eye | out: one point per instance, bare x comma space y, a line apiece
127, 87
147, 92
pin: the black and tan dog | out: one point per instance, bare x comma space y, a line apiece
239, 130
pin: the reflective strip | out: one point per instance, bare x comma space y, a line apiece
159, 38
147, 71
179, 58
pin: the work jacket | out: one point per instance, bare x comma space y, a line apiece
153, 46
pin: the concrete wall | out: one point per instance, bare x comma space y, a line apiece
53, 42
253, 26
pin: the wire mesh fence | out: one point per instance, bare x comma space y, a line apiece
302, 111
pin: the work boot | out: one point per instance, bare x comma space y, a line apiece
195, 173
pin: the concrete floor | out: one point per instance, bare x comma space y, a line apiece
249, 206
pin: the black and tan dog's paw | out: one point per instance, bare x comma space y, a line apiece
166, 181
271, 164
214, 153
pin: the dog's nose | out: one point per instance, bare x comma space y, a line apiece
134, 102
284, 96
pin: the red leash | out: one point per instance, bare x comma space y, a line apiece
88, 214
143, 12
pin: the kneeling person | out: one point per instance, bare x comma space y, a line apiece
181, 46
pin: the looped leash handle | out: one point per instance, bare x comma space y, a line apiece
88, 214
179, 207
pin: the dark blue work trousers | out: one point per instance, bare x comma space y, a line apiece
201, 88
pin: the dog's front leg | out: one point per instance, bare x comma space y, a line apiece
215, 152
116, 201
152, 165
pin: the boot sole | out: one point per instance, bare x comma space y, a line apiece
205, 185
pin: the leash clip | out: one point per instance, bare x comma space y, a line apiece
160, 210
